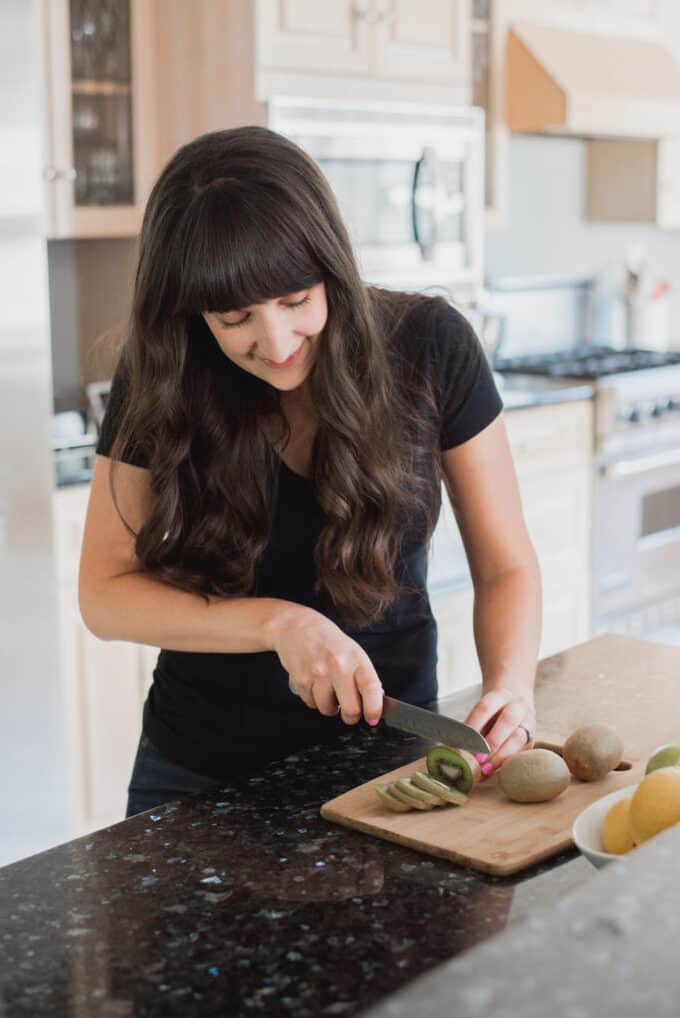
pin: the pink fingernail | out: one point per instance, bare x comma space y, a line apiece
373, 723
481, 757
487, 768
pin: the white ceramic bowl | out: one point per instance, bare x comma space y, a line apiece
587, 827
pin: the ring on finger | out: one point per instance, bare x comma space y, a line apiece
529, 734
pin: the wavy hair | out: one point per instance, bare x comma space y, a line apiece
238, 217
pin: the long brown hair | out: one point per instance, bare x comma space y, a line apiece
236, 218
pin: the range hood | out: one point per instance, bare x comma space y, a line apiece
560, 81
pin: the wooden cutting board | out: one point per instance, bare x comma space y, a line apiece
632, 685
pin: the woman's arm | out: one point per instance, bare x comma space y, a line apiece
121, 601
482, 485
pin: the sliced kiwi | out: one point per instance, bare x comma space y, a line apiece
406, 797
430, 784
454, 767
405, 785
385, 795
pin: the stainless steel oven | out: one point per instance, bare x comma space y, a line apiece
636, 505
409, 180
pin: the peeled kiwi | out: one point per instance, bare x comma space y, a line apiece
534, 775
408, 786
407, 798
592, 751
389, 800
430, 784
454, 767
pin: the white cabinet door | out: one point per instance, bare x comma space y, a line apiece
111, 716
424, 41
668, 184
98, 117
305, 35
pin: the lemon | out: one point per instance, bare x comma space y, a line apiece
656, 803
616, 836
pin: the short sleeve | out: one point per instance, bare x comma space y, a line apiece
115, 406
469, 399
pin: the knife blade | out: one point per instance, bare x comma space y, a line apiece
435, 727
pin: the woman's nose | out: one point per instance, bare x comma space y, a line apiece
277, 341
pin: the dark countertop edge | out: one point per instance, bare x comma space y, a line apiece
587, 955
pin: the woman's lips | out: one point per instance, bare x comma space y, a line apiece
287, 363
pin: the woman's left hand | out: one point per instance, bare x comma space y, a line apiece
504, 717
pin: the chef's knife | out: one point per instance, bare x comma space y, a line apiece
435, 727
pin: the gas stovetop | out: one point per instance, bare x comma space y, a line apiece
585, 362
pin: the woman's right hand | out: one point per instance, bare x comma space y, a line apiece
326, 668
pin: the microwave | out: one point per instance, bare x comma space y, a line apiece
409, 182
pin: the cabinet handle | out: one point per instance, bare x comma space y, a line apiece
51, 173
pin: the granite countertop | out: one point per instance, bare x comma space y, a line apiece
247, 902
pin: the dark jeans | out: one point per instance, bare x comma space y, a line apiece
156, 780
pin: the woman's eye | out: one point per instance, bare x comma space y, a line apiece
294, 304
234, 325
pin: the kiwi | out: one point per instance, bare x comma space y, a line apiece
592, 751
386, 797
406, 797
454, 767
408, 786
534, 775
430, 784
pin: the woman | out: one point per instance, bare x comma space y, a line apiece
269, 473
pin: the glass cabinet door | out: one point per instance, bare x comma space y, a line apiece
101, 102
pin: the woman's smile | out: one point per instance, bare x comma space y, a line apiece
293, 359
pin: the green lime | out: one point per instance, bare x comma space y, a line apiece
664, 756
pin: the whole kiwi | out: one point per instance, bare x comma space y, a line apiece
592, 751
534, 775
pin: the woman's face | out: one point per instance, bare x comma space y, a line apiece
276, 340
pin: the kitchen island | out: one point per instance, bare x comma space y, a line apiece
247, 902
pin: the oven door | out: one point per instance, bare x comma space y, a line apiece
636, 537
408, 180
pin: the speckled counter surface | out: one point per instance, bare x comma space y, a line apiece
609, 948
246, 902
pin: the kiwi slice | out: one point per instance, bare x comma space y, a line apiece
454, 767
430, 784
418, 793
406, 797
384, 794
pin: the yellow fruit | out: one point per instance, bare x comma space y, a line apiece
616, 836
656, 804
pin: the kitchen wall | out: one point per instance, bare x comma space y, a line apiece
91, 280
90, 291
547, 232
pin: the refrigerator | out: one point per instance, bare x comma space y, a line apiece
34, 780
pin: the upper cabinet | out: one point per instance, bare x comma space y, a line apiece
98, 155
361, 43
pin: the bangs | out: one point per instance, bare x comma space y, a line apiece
238, 252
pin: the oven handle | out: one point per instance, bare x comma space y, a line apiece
626, 468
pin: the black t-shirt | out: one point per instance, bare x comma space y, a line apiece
225, 714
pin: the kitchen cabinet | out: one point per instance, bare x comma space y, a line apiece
634, 181
105, 682
99, 157
552, 452
375, 40
490, 21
